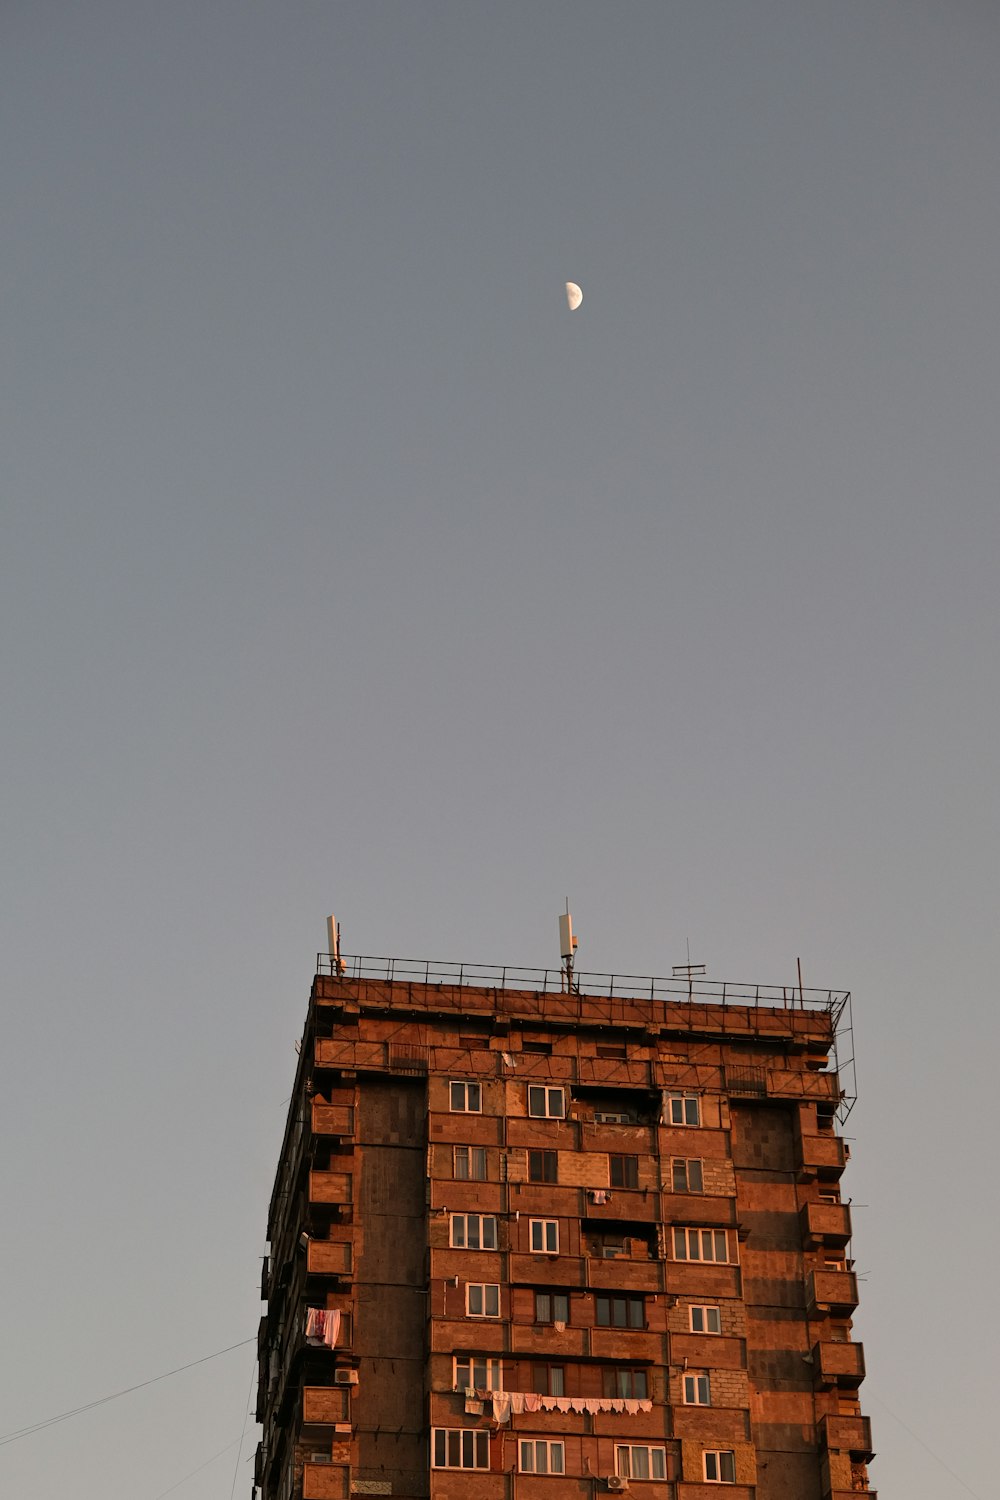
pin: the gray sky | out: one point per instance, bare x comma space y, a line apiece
343, 567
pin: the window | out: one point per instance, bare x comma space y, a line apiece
619, 1380
636, 1461
538, 1456
701, 1244
544, 1235
624, 1171
466, 1098
546, 1103
551, 1307
548, 1380
610, 1246
477, 1371
720, 1466
482, 1299
621, 1312
460, 1448
686, 1175
470, 1163
696, 1392
609, 1117
608, 1050
473, 1232
705, 1319
543, 1166
682, 1109
536, 1046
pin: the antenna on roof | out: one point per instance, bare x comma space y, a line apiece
567, 949
333, 944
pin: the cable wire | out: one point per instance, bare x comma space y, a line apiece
63, 1416
957, 1477
243, 1434
172, 1487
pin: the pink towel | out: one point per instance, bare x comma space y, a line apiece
516, 1403
331, 1328
532, 1402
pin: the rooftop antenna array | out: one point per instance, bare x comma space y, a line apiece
567, 949
333, 944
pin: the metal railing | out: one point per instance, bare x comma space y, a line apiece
553, 981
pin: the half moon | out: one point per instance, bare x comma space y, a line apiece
574, 296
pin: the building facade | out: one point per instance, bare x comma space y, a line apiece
532, 1241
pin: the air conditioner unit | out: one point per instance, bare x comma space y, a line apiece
345, 1377
616, 1483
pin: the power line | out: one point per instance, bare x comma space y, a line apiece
170, 1489
243, 1434
975, 1493
22, 1432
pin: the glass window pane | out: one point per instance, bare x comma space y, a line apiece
557, 1380
556, 1463
690, 1111
694, 1176
640, 1463
659, 1463
560, 1307
728, 1466
474, 1095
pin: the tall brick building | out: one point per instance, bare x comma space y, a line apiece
533, 1242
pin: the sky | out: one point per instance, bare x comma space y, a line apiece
344, 569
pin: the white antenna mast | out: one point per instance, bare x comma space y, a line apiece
333, 944
567, 949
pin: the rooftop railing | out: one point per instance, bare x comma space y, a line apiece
616, 986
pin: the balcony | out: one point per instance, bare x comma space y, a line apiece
851, 1435
329, 1258
822, 1156
833, 1292
325, 1406
838, 1364
324, 1481
332, 1119
826, 1224
331, 1187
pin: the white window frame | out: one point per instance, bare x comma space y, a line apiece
719, 1459
701, 1245
706, 1310
480, 1291
463, 1443
469, 1092
551, 1452
474, 1155
655, 1459
545, 1102
697, 1390
458, 1238
477, 1364
679, 1106
546, 1231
